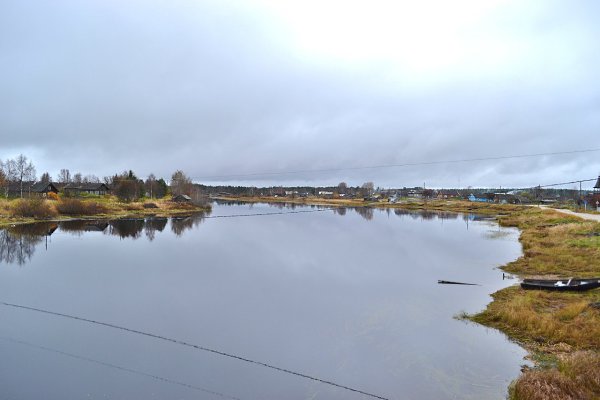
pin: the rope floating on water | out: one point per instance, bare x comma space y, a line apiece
197, 347
270, 213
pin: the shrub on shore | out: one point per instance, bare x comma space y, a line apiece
70, 206
52, 196
33, 208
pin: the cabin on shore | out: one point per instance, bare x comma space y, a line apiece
31, 189
77, 189
182, 198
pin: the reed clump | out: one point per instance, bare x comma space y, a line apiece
32, 208
71, 206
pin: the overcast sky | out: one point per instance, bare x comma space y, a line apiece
221, 88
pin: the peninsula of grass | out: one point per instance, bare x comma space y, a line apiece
19, 211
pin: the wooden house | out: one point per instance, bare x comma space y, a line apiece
182, 198
30, 189
77, 189
42, 189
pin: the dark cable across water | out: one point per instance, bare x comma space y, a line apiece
118, 367
197, 347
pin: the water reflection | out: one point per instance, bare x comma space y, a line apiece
180, 224
18, 243
153, 225
313, 292
80, 226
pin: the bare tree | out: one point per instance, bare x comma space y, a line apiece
21, 170
64, 176
180, 183
342, 187
150, 183
90, 178
367, 188
3, 178
77, 178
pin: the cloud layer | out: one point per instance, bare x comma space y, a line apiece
226, 88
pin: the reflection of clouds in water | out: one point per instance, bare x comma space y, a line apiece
499, 234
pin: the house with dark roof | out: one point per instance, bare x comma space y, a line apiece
31, 189
77, 189
43, 188
182, 198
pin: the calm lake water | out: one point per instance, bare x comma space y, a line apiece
349, 296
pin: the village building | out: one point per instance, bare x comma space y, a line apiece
30, 189
182, 198
77, 189
594, 198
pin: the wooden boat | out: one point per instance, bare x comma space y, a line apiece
562, 285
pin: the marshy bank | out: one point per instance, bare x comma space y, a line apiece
561, 330
19, 211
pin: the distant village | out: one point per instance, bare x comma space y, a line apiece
368, 192
16, 182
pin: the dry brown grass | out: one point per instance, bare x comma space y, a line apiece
550, 322
577, 377
71, 206
555, 244
539, 318
132, 206
33, 208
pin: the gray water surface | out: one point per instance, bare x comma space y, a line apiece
349, 296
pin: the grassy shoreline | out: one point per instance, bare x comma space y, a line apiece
561, 331
110, 209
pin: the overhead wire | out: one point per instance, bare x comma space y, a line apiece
383, 166
197, 347
120, 368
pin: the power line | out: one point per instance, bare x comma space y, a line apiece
565, 183
382, 166
133, 371
197, 347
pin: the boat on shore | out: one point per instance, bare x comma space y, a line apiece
562, 285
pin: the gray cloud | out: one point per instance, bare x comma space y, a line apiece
221, 88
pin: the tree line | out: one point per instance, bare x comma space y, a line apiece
17, 175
